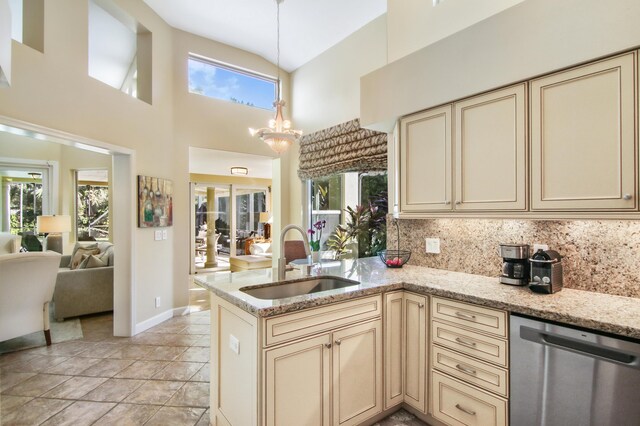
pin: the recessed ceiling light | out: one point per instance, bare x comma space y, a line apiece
239, 171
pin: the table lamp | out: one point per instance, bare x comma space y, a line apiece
265, 217
54, 226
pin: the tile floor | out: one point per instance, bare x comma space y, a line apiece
159, 377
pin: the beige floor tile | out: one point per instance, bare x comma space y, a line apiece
113, 390
73, 366
71, 348
75, 387
13, 357
156, 392
132, 352
178, 370
180, 339
9, 403
142, 370
128, 415
165, 353
37, 365
9, 379
203, 375
191, 395
107, 367
101, 350
37, 385
195, 353
204, 420
197, 329
167, 329
80, 413
176, 416
35, 412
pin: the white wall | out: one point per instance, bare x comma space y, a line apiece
5, 43
531, 38
326, 91
414, 24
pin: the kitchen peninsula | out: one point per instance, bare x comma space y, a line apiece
301, 345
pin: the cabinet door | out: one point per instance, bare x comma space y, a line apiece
415, 343
490, 151
357, 373
583, 150
425, 161
393, 348
297, 380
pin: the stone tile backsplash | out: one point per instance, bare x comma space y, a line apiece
600, 255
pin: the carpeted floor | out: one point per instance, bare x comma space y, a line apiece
60, 332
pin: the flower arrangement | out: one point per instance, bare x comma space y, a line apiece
315, 234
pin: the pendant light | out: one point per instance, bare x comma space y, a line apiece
279, 135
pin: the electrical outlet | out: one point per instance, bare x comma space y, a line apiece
234, 344
433, 245
157, 235
158, 302
538, 246
164, 234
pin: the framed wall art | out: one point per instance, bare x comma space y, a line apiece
155, 202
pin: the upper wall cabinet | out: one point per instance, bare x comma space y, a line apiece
583, 149
425, 161
491, 151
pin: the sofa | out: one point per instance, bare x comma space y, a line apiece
83, 291
9, 243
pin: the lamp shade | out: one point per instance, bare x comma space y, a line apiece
54, 223
264, 217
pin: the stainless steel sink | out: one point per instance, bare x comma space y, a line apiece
297, 288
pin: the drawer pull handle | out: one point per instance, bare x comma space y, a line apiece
466, 369
466, 316
464, 342
465, 410
421, 305
327, 345
337, 342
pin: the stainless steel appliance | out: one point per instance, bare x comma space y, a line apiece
515, 264
546, 272
565, 376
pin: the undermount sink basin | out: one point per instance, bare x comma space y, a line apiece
297, 288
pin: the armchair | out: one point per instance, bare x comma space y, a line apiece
26, 289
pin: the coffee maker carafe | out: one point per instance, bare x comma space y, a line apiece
515, 264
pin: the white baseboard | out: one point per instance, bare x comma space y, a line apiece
160, 318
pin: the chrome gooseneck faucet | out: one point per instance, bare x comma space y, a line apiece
282, 261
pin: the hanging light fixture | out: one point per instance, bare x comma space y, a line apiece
279, 135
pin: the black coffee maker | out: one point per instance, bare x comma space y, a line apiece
546, 272
515, 264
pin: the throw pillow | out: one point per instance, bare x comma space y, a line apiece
79, 246
106, 256
91, 261
78, 254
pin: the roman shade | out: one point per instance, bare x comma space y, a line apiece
342, 148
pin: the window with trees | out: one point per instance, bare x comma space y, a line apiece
25, 197
92, 205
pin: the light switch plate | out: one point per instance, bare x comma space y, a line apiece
157, 235
164, 234
157, 302
234, 344
433, 245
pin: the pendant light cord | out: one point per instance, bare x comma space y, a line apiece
278, 48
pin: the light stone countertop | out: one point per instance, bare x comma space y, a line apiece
612, 314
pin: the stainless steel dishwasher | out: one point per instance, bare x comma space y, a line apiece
565, 376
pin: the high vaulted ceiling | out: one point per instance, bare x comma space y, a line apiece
307, 27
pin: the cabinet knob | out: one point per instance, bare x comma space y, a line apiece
337, 342
327, 345
447, 202
627, 196
458, 202
421, 305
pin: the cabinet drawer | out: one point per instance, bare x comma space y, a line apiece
317, 320
458, 404
480, 346
486, 320
486, 376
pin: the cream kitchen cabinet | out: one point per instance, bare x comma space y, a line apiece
491, 151
406, 343
583, 147
425, 161
317, 366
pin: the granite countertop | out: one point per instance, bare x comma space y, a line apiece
612, 314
